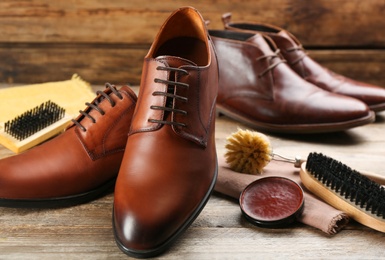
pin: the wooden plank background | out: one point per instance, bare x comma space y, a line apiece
43, 40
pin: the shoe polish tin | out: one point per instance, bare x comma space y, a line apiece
272, 202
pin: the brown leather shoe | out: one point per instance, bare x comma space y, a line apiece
79, 164
293, 51
169, 168
258, 88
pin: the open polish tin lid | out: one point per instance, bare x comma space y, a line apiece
272, 202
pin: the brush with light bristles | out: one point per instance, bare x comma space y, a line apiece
249, 152
360, 195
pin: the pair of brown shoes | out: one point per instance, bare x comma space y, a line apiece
160, 147
268, 82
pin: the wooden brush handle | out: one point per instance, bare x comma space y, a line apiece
340, 202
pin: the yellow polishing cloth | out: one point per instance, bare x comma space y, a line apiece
70, 94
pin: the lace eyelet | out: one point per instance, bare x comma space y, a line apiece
169, 94
95, 105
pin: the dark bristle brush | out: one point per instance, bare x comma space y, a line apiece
358, 194
346, 189
33, 126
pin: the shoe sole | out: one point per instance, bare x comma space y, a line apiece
377, 107
60, 201
167, 244
299, 128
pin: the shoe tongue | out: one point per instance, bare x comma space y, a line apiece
126, 89
174, 61
287, 36
262, 44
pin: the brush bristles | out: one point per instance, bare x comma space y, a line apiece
348, 183
248, 152
34, 120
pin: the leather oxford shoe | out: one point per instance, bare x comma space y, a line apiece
293, 51
169, 167
257, 87
76, 166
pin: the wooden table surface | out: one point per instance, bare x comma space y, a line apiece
220, 232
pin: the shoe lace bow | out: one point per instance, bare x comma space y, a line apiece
272, 65
302, 53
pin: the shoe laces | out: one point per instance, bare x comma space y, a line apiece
273, 65
301, 55
170, 96
95, 105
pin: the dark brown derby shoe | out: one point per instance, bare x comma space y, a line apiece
293, 51
78, 165
258, 88
169, 168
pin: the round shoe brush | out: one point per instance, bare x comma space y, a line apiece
250, 151
266, 202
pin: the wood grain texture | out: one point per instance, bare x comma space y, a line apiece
122, 64
220, 231
116, 64
43, 40
318, 23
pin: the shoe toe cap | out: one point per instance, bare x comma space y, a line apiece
141, 235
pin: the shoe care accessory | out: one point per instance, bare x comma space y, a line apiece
346, 189
272, 202
15, 102
256, 160
337, 184
249, 152
336, 178
33, 127
267, 202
